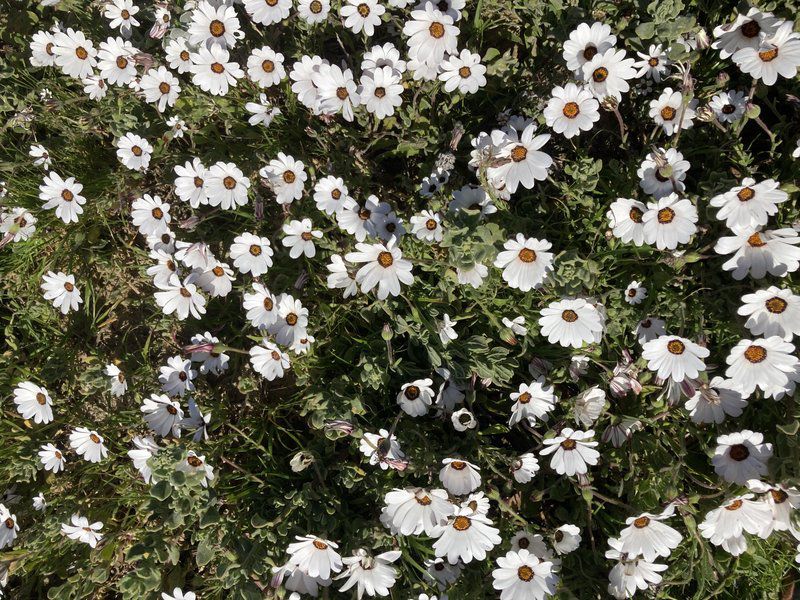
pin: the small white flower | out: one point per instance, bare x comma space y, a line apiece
741, 456
82, 531
524, 468
60, 289
463, 419
51, 458
572, 452
446, 331
134, 152
635, 293
300, 236
162, 415
88, 444
674, 357
33, 402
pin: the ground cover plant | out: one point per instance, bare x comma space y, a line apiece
412, 300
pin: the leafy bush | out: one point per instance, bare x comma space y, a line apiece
286, 452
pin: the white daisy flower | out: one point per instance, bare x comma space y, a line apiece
673, 357
339, 277
181, 298
336, 89
194, 464
314, 556
381, 91
216, 281
463, 419
607, 74
741, 456
525, 262
134, 152
190, 183
177, 126
268, 360
144, 449
150, 215
572, 322
571, 451
589, 406
212, 24
178, 594
176, 376
267, 13
412, 511
452, 8
251, 254
725, 526
566, 538
715, 401
635, 293
750, 204
625, 219
292, 320
782, 501
194, 255
520, 574
381, 448
762, 363
524, 468
213, 360
213, 71
39, 502
772, 311
467, 536
516, 325
383, 56
362, 15
18, 223
464, 72
261, 306
384, 267
760, 252
729, 106
662, 173
178, 55
160, 86
74, 53
300, 236
631, 573
287, 177
459, 477
439, 571
647, 536
95, 87
82, 531
302, 75
523, 162
671, 112
121, 13
162, 415
744, 32
64, 195
654, 64
585, 42
775, 55
51, 458
313, 11
533, 401
330, 193
265, 67
431, 34
88, 444
60, 289
33, 402
374, 575
40, 155
226, 186
416, 397
571, 109
669, 221
42, 49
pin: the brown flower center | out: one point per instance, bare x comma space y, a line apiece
462, 523
194, 461
430, 224
525, 573
68, 286
229, 182
750, 29
755, 241
745, 194
218, 271
559, 535
291, 319
589, 52
81, 53
217, 68
755, 354
320, 545
336, 193
41, 398
289, 176
519, 153
776, 305
186, 293
379, 92
666, 215
198, 182
184, 55
668, 113
738, 452
136, 150
268, 303
641, 522
524, 398
569, 444
306, 236
275, 355
600, 74
423, 500
255, 250
436, 30
164, 87
157, 213
315, 7
217, 28
676, 347
458, 465
571, 110
412, 392
67, 195
49, 48
778, 496
768, 55
268, 66
364, 214
524, 543
464, 72
728, 109
385, 259
635, 215
570, 316
363, 10
10, 523
172, 410
735, 505
527, 255
94, 437
653, 61
122, 62
342, 93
